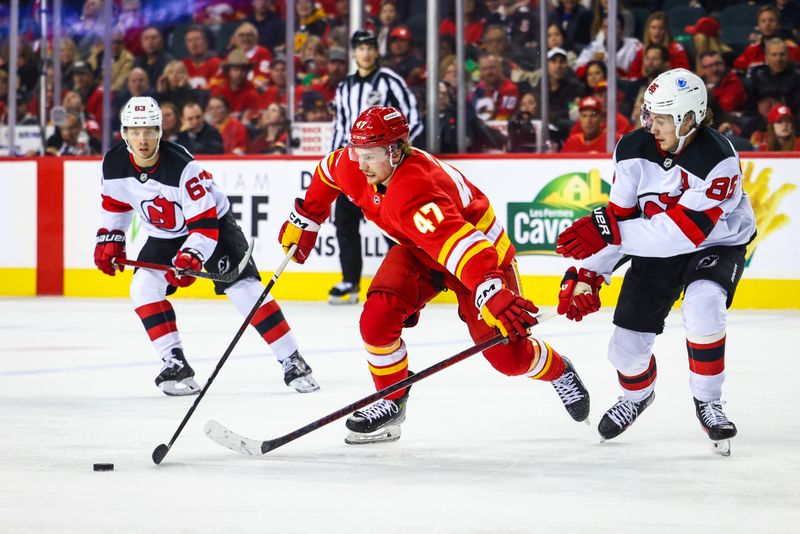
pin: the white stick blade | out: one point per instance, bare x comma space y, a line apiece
226, 437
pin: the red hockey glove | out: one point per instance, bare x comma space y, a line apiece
300, 229
580, 293
503, 309
589, 235
110, 245
187, 258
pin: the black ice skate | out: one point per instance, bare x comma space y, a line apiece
378, 422
622, 415
572, 393
716, 425
177, 376
297, 374
343, 293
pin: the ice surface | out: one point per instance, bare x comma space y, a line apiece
480, 452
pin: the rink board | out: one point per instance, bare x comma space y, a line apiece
50, 226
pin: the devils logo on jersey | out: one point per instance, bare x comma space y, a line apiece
223, 264
164, 214
707, 262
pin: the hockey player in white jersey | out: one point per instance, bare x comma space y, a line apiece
678, 210
189, 224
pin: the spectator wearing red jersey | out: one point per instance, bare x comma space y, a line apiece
722, 82
237, 90
245, 38
274, 132
402, 58
234, 134
495, 97
592, 135
91, 94
780, 135
656, 32
623, 126
768, 28
475, 14
336, 68
201, 65
277, 86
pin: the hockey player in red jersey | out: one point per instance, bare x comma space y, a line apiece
448, 238
676, 207
189, 224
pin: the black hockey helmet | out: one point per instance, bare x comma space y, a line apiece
363, 37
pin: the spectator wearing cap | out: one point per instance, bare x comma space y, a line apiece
233, 133
197, 135
705, 35
245, 39
780, 135
626, 50
273, 135
314, 108
336, 71
564, 89
656, 32
754, 122
495, 96
201, 65
623, 125
91, 94
576, 21
154, 58
277, 91
768, 29
310, 20
237, 90
722, 82
592, 135
402, 58
268, 23
778, 75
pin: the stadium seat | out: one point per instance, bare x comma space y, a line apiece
177, 44
739, 14
737, 37
223, 36
669, 5
680, 17
640, 15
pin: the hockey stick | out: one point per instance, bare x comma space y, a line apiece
161, 451
235, 442
228, 277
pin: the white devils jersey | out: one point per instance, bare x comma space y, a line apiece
669, 205
174, 198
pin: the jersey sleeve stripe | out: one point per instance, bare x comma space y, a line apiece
208, 215
479, 247
696, 225
623, 213
383, 351
325, 179
462, 247
448, 245
114, 205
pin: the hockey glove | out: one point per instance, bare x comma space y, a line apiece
300, 229
110, 245
503, 309
589, 235
580, 293
187, 258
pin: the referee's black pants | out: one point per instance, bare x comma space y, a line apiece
347, 218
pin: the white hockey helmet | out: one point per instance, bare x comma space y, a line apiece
675, 92
141, 111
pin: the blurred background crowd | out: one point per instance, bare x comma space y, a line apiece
219, 69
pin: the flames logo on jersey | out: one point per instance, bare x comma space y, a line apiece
164, 214
665, 200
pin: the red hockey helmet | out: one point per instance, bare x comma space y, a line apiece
379, 126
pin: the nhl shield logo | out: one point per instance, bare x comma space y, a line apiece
143, 177
223, 264
707, 262
668, 163
376, 199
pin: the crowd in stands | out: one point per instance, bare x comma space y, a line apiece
219, 68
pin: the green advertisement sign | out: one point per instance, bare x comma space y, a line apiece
534, 226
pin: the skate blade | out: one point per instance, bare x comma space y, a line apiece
350, 298
304, 384
175, 388
722, 447
382, 435
231, 440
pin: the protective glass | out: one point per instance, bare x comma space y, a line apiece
370, 155
142, 132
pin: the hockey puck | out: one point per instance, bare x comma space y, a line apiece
103, 467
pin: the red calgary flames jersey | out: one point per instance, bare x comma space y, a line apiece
427, 205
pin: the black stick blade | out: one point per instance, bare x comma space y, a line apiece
159, 453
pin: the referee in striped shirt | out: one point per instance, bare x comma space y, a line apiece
371, 85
